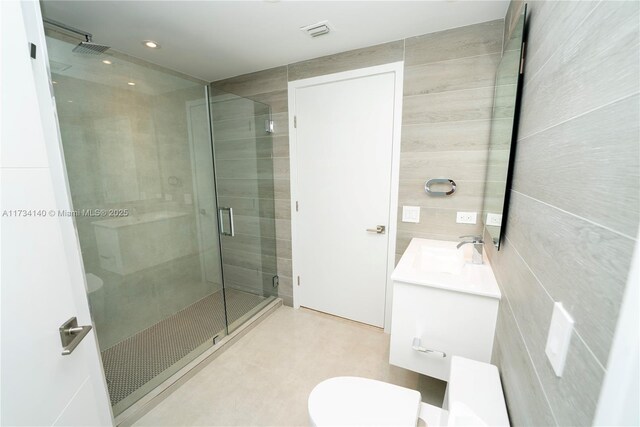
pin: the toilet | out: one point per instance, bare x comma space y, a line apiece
473, 398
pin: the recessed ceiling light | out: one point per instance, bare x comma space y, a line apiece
151, 44
131, 84
54, 82
106, 61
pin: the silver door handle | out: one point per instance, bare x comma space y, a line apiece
71, 334
231, 231
380, 229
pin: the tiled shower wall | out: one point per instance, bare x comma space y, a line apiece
448, 95
574, 212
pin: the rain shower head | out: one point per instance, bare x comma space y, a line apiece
85, 47
90, 48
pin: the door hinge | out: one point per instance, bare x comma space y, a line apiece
269, 126
295, 121
298, 280
32, 50
296, 206
275, 281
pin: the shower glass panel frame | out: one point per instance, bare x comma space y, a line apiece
243, 163
163, 287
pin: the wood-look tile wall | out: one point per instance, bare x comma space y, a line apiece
574, 212
448, 95
446, 119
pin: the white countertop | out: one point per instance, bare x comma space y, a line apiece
415, 267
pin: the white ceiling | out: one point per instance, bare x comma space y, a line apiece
212, 40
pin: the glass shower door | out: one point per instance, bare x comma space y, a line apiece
243, 164
137, 147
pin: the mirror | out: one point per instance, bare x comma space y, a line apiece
504, 129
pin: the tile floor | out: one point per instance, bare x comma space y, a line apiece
167, 346
266, 377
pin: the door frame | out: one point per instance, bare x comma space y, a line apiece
51, 157
397, 68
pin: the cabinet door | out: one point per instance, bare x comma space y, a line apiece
446, 323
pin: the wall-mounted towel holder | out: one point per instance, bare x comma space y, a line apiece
428, 184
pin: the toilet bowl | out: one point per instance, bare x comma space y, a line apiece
473, 398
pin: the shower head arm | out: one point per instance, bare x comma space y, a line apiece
86, 35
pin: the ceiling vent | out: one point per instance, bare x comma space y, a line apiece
316, 30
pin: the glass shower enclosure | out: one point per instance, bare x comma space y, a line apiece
172, 189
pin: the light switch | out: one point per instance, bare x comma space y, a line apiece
411, 214
559, 338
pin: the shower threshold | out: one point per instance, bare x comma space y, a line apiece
141, 363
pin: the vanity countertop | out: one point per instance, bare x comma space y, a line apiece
438, 264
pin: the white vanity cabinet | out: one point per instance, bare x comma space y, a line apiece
438, 314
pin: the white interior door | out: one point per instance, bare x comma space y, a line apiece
42, 276
343, 153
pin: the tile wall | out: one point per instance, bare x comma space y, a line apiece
448, 95
573, 219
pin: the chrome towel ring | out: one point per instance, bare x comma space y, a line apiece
428, 184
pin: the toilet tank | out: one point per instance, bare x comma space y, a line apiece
474, 394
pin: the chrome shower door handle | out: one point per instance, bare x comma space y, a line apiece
231, 231
380, 229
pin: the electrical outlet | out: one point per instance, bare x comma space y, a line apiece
467, 217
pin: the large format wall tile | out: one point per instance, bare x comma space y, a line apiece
594, 67
586, 168
525, 397
351, 60
451, 106
473, 40
572, 397
574, 209
579, 263
456, 165
447, 136
258, 83
556, 20
464, 73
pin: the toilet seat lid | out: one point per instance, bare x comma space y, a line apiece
361, 401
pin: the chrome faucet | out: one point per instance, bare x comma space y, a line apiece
477, 247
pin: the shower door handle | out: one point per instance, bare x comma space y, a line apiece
231, 231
